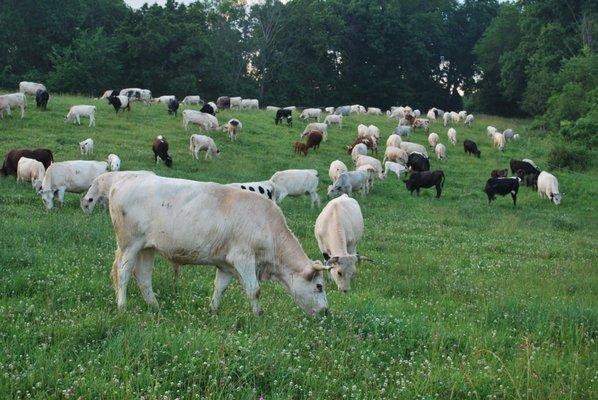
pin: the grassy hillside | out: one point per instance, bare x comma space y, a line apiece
464, 300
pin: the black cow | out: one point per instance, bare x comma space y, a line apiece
173, 106
418, 162
41, 98
502, 186
531, 180
208, 109
426, 179
287, 114
526, 167
11, 161
117, 104
160, 148
470, 147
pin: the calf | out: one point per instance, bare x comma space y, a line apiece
471, 147
76, 112
300, 147
426, 179
286, 114
418, 162
160, 148
313, 140
11, 160
499, 173
369, 143
502, 186
173, 107
198, 143
86, 146
41, 99
349, 181
31, 170
113, 162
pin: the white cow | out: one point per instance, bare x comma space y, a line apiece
76, 112
548, 186
311, 113
329, 110
206, 121
198, 143
191, 100
30, 88
338, 230
99, 191
431, 115
490, 130
499, 141
446, 118
411, 147
337, 167
393, 140
359, 149
86, 147
318, 127
164, 99
393, 167
235, 103
469, 120
367, 160
292, 108
296, 182
374, 111
440, 151
350, 181
272, 108
243, 235
13, 100
452, 136
433, 139
265, 189
31, 170
395, 154
334, 119
113, 162
69, 176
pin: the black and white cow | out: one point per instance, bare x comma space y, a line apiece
263, 188
160, 148
502, 187
418, 162
208, 109
286, 114
120, 103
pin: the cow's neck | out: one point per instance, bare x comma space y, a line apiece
336, 240
291, 259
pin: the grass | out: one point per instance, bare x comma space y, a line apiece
464, 300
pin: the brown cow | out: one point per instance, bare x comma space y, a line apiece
11, 161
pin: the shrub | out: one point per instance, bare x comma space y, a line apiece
573, 158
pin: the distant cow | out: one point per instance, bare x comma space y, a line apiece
11, 160
223, 102
314, 139
173, 107
527, 166
502, 186
426, 179
286, 114
160, 148
418, 162
471, 147
41, 99
120, 103
208, 109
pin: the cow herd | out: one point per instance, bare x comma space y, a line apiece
238, 227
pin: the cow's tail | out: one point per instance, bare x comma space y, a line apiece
191, 144
114, 272
442, 182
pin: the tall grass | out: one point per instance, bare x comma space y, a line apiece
464, 300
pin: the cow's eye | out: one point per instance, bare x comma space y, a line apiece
90, 199
340, 273
319, 287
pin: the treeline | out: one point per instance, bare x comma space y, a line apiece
532, 57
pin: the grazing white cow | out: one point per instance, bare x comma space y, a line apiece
440, 151
490, 130
411, 147
206, 121
431, 115
296, 182
499, 141
452, 136
265, 189
86, 147
99, 191
187, 222
374, 111
113, 162
395, 154
350, 181
455, 117
367, 160
548, 186
469, 120
31, 170
69, 176
359, 149
393, 140
76, 112
393, 167
329, 110
272, 108
311, 113
338, 230
13, 100
462, 115
198, 143
163, 99
446, 118
235, 103
334, 119
433, 139
191, 100
30, 88
337, 167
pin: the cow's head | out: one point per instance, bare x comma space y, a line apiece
308, 289
556, 198
47, 198
88, 203
168, 161
335, 189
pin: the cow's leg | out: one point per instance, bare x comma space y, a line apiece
417, 191
143, 273
514, 196
61, 196
314, 199
176, 269
22, 111
245, 266
126, 264
221, 282
438, 190
78, 119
